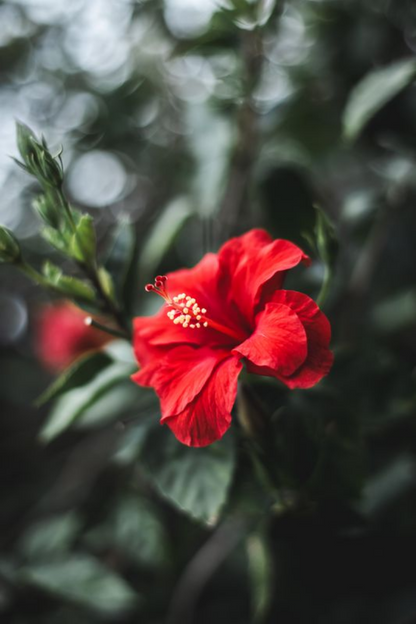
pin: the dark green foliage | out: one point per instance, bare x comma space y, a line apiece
180, 128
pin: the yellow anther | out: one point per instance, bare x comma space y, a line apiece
203, 310
185, 309
179, 319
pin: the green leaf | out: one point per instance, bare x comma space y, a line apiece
80, 373
72, 405
211, 139
83, 244
47, 209
67, 285
83, 580
59, 240
195, 480
133, 528
163, 234
373, 92
50, 538
121, 264
73, 287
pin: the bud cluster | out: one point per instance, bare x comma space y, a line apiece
37, 159
66, 229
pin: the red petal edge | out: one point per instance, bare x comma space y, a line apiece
253, 262
318, 331
278, 341
179, 376
208, 417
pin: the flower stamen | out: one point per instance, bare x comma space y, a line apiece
184, 310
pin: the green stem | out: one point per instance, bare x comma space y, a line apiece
91, 271
39, 279
326, 284
112, 308
104, 328
35, 276
67, 209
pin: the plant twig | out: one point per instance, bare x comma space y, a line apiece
104, 328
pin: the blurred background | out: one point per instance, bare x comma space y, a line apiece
193, 121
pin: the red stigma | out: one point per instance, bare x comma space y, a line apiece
159, 287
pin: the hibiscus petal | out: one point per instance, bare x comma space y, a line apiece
208, 417
318, 331
253, 262
153, 336
200, 280
278, 341
179, 376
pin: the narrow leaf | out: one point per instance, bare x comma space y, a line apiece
373, 92
80, 373
121, 263
82, 579
163, 234
74, 403
54, 238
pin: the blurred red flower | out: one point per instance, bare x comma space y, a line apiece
228, 309
62, 335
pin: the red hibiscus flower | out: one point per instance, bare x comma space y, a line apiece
62, 335
229, 309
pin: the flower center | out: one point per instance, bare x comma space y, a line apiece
185, 310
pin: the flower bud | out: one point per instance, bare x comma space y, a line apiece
37, 159
9, 247
26, 141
